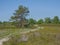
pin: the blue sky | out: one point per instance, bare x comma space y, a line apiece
38, 8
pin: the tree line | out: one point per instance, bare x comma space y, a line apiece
48, 20
19, 19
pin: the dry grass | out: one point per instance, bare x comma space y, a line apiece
50, 35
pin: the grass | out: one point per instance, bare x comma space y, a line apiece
47, 36
6, 32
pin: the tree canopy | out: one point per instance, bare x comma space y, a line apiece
19, 17
55, 20
47, 20
40, 21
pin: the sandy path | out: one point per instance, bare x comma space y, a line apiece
7, 37
32, 30
3, 40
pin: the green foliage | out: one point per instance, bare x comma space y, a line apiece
40, 21
55, 20
47, 20
0, 22
20, 16
27, 23
5, 23
32, 21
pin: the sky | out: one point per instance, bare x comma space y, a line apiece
38, 8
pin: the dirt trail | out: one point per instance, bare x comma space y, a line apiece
31, 30
3, 40
7, 37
